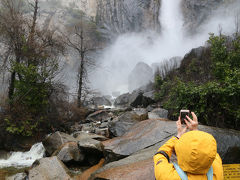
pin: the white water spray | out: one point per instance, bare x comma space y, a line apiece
24, 159
121, 57
171, 22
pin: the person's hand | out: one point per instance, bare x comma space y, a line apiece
192, 124
180, 129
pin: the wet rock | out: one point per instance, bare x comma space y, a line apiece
104, 125
103, 132
88, 128
80, 135
228, 140
141, 170
122, 100
55, 140
86, 174
90, 145
232, 156
142, 113
69, 152
149, 94
19, 176
151, 107
48, 168
142, 160
92, 150
142, 101
4, 154
158, 113
140, 76
140, 136
98, 116
122, 123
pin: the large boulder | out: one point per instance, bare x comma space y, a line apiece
100, 101
122, 123
140, 170
69, 152
80, 135
142, 113
141, 75
142, 101
227, 141
92, 149
138, 98
122, 100
52, 142
98, 116
139, 165
48, 169
136, 166
140, 136
90, 145
158, 113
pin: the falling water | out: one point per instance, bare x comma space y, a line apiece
171, 21
23, 159
120, 58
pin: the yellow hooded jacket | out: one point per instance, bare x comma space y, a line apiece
196, 152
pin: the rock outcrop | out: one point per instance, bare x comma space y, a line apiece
69, 152
158, 113
48, 168
138, 137
141, 75
121, 124
54, 141
195, 12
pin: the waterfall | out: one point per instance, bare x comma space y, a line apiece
171, 21
119, 59
23, 159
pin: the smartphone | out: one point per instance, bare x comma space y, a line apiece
183, 114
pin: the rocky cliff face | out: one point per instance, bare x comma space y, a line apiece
120, 16
196, 12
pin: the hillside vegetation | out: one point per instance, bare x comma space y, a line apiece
207, 82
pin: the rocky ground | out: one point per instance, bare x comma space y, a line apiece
117, 144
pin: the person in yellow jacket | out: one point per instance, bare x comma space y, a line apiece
196, 153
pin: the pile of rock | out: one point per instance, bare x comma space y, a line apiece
127, 153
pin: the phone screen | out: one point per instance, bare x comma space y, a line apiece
183, 114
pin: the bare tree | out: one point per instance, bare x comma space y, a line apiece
24, 40
83, 39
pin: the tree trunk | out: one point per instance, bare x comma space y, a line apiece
81, 70
80, 84
11, 85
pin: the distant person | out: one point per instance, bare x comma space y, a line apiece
196, 153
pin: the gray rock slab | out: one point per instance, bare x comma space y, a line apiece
48, 169
55, 140
138, 137
158, 113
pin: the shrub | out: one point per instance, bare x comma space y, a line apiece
216, 102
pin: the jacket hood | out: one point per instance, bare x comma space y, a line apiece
196, 151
